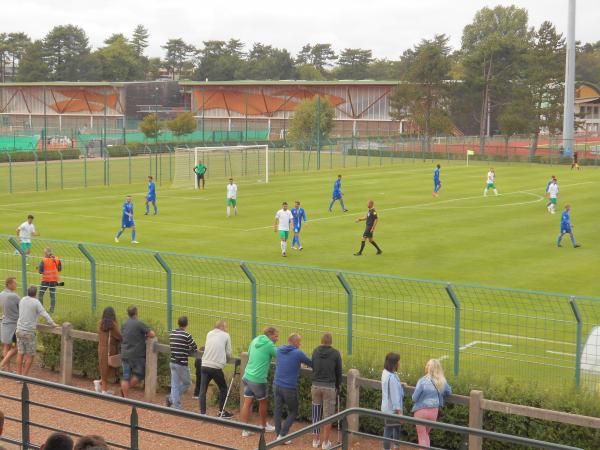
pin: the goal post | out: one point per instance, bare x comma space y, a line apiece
221, 162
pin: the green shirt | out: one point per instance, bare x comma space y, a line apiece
260, 352
200, 169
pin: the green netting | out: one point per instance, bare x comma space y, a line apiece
18, 143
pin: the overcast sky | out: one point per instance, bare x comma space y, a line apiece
388, 27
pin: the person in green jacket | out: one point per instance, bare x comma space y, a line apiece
260, 353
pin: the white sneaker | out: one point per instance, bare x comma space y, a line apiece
326, 445
269, 428
316, 443
97, 386
247, 433
134, 242
117, 240
283, 437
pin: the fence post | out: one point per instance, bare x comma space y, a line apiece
37, 181
25, 416
151, 380
456, 303
92, 261
579, 339
62, 177
352, 397
10, 183
66, 354
253, 311
348, 289
475, 418
17, 247
169, 274
243, 364
129, 162
134, 438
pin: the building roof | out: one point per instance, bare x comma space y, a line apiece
292, 82
64, 84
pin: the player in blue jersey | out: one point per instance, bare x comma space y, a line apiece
437, 184
127, 220
337, 194
151, 197
299, 216
566, 227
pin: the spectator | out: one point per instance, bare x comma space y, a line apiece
262, 349
392, 397
326, 381
133, 350
109, 338
91, 442
429, 398
49, 268
287, 370
182, 346
58, 441
198, 370
216, 351
30, 309
10, 309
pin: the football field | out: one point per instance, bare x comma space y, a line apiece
504, 241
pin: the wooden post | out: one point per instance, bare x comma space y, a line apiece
66, 354
475, 418
243, 364
151, 380
352, 397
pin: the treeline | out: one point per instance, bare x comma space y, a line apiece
505, 78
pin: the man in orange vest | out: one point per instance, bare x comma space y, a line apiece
49, 268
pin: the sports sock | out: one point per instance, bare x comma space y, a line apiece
155, 208
235, 210
119, 234
573, 240
342, 203
374, 244
298, 241
283, 246
559, 239
294, 241
147, 208
228, 211
362, 246
331, 204
133, 235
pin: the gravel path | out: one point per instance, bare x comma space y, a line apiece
121, 413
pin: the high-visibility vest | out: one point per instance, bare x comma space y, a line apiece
50, 269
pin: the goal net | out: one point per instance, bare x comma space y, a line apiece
221, 163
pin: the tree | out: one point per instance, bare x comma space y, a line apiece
151, 126
493, 46
153, 66
515, 117
219, 60
312, 122
178, 53
264, 62
587, 66
425, 99
4, 50
16, 43
66, 48
318, 55
139, 39
308, 72
383, 69
353, 64
115, 37
118, 61
183, 123
33, 65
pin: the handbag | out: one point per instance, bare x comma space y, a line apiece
113, 360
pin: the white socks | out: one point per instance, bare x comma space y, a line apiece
228, 211
283, 246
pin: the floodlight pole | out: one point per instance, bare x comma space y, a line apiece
569, 101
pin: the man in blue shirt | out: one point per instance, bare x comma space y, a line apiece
151, 196
127, 220
565, 227
299, 216
437, 184
337, 194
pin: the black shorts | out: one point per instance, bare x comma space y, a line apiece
200, 176
368, 233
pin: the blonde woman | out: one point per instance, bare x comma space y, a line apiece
428, 398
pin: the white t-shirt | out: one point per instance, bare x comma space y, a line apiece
284, 218
26, 229
216, 349
491, 176
553, 190
232, 190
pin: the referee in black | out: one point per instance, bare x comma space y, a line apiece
371, 219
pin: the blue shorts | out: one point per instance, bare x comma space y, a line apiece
256, 390
136, 367
565, 229
150, 198
127, 224
336, 196
297, 228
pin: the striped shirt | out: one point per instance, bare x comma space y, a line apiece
182, 346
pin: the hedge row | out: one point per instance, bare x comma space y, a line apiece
559, 397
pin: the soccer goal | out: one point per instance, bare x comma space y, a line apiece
220, 162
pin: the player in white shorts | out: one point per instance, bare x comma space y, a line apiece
491, 177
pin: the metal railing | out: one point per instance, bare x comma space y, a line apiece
342, 419
134, 428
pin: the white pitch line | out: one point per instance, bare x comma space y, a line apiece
560, 353
473, 344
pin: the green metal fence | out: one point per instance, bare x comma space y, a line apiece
473, 329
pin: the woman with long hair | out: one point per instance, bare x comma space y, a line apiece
109, 340
429, 398
392, 397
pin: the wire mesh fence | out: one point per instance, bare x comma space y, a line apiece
472, 329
